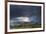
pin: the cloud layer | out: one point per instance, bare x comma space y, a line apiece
32, 12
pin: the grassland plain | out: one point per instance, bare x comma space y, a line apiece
26, 25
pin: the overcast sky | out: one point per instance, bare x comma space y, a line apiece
33, 12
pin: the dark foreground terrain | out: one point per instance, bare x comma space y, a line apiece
26, 25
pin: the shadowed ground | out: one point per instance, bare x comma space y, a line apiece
26, 25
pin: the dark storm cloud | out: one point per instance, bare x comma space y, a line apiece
18, 10
34, 12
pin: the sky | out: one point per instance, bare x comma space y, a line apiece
33, 12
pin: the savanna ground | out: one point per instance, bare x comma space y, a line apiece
26, 25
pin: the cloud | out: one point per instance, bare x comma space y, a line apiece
18, 11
